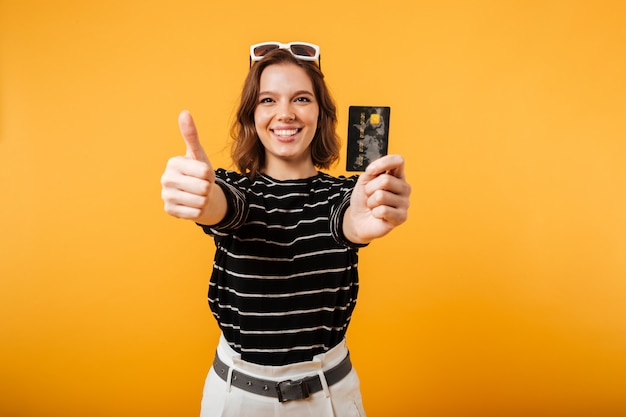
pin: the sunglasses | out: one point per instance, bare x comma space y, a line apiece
301, 50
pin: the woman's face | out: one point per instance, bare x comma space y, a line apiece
286, 116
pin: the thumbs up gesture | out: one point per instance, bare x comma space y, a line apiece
188, 183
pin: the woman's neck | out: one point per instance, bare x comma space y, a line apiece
289, 170
286, 169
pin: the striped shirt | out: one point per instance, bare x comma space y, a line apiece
285, 280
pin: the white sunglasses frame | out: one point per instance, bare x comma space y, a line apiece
287, 46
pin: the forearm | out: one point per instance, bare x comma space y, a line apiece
351, 230
216, 208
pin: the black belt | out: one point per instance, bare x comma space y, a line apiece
284, 390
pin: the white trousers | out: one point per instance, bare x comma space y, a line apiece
343, 399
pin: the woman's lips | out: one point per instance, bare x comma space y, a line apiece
285, 132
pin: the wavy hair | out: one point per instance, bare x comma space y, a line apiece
248, 154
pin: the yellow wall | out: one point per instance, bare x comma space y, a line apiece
504, 294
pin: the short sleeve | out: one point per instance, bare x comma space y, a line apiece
338, 210
234, 186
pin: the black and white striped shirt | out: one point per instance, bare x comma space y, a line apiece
285, 280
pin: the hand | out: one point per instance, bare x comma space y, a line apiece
379, 202
188, 181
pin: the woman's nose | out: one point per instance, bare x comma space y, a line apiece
286, 113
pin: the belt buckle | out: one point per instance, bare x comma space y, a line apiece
292, 390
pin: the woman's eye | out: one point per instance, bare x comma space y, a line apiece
303, 99
265, 100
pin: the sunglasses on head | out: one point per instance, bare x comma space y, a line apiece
301, 50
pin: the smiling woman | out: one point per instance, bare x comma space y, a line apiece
285, 280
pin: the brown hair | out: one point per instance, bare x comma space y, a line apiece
248, 153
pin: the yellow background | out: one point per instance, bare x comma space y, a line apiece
503, 295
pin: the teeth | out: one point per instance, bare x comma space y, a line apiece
286, 132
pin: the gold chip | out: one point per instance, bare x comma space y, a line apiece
374, 118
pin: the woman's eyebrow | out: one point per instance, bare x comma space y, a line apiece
297, 93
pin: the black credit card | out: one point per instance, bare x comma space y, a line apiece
368, 135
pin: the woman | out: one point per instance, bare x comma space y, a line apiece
285, 281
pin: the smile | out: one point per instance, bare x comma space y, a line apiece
286, 132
